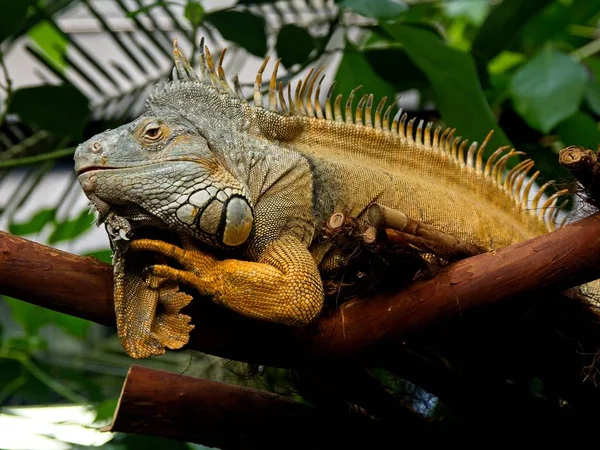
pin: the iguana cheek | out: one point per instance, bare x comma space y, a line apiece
238, 222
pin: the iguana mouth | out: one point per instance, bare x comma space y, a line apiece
134, 166
93, 168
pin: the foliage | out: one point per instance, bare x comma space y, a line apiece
548, 89
529, 70
31, 104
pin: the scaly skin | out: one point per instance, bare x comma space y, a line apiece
285, 285
257, 185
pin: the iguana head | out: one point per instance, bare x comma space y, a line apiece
165, 168
166, 163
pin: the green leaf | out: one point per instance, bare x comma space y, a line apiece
12, 378
423, 12
71, 228
475, 12
26, 344
579, 129
32, 318
33, 225
14, 13
294, 45
242, 27
377, 9
456, 34
556, 23
61, 110
395, 66
593, 64
481, 66
548, 89
194, 12
500, 29
592, 96
505, 61
105, 410
52, 43
453, 78
354, 70
102, 255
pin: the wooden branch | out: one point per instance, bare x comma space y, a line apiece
76, 285
83, 287
585, 167
225, 416
216, 414
401, 229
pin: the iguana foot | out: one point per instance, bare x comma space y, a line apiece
170, 327
181, 276
145, 329
190, 257
283, 286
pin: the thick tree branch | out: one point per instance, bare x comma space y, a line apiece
216, 414
83, 287
225, 416
75, 285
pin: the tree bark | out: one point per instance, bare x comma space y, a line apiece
76, 285
83, 287
401, 229
584, 165
225, 416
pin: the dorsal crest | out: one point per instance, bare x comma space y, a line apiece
293, 116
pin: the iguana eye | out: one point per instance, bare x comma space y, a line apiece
153, 132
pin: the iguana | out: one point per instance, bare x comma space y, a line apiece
257, 183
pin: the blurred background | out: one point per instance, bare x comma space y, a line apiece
69, 69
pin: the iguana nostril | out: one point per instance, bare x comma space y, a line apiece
96, 147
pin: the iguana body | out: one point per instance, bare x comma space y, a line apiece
259, 184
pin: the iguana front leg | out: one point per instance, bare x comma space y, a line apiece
284, 286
